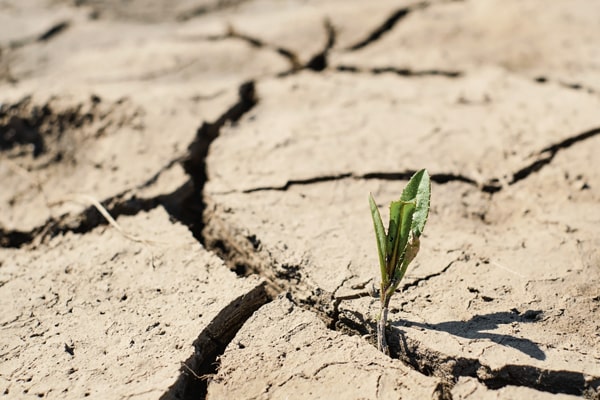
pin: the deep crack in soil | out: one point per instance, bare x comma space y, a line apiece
211, 343
193, 204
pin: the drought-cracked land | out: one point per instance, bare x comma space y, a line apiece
184, 186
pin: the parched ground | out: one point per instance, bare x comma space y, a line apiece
183, 198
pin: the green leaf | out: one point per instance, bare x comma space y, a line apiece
405, 214
381, 238
418, 190
408, 211
392, 234
412, 248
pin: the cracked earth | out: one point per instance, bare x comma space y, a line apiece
183, 202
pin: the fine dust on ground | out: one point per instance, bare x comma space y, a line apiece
235, 143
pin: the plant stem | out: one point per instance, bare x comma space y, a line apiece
382, 322
381, 341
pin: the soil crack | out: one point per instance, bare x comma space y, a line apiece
547, 154
492, 185
124, 203
203, 9
568, 85
417, 281
319, 61
297, 182
47, 35
431, 362
387, 25
211, 343
441, 178
233, 33
192, 205
14, 238
406, 72
86, 221
53, 31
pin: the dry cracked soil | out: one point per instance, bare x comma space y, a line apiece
183, 198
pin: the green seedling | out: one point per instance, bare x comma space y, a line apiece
399, 246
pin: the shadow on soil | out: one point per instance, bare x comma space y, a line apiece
433, 363
475, 327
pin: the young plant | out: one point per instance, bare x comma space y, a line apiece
399, 246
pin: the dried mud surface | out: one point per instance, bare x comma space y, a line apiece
183, 203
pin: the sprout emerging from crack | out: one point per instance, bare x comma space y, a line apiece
400, 245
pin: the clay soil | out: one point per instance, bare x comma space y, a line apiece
184, 184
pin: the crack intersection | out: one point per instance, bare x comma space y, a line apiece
233, 33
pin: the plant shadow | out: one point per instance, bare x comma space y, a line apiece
475, 327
